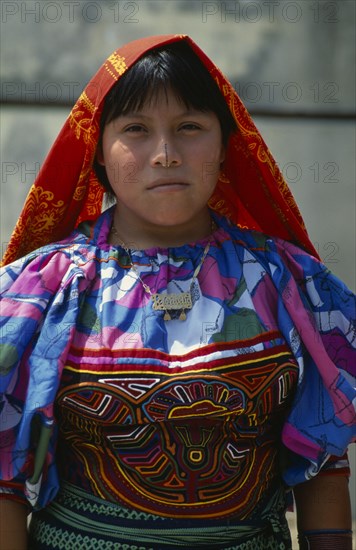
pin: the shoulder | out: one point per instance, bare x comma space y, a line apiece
75, 250
247, 238
275, 249
48, 267
282, 259
260, 245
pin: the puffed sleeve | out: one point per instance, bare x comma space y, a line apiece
317, 316
39, 305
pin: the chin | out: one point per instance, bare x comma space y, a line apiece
171, 221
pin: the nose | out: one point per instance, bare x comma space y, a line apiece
166, 154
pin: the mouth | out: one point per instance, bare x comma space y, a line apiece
167, 185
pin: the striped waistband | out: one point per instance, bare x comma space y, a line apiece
79, 514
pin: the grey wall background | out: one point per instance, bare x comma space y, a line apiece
291, 61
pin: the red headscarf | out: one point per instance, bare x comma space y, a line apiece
251, 191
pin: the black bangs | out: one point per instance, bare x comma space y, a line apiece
174, 67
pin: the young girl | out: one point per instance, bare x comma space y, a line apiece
171, 366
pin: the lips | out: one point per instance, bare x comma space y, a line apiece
167, 184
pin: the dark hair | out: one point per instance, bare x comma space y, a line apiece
174, 67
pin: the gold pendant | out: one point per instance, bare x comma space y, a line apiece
176, 302
182, 316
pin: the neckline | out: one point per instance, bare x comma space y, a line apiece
101, 228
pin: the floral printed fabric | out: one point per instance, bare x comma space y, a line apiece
249, 284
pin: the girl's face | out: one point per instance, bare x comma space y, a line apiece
153, 198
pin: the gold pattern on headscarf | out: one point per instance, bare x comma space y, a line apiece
118, 63
95, 196
81, 121
219, 205
223, 178
85, 101
79, 193
264, 156
226, 90
86, 169
48, 212
39, 199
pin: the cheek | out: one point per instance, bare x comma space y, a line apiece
214, 151
112, 166
119, 164
211, 162
123, 175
